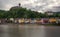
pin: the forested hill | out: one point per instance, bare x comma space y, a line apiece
19, 12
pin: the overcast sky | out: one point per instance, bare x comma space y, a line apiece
37, 5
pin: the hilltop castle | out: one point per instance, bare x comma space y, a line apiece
16, 7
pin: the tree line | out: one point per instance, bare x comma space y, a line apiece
24, 13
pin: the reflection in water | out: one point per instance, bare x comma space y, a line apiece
53, 31
21, 31
28, 31
4, 31
34, 31
8, 31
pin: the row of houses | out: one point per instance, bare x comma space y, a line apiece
31, 20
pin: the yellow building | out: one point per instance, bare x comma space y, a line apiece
51, 20
21, 20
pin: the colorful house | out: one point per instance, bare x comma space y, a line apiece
52, 20
42, 21
33, 21
27, 21
21, 20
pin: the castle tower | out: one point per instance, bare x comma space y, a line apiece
19, 4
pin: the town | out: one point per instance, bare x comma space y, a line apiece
20, 15
31, 20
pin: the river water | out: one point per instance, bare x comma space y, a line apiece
15, 30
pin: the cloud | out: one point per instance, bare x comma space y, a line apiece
36, 5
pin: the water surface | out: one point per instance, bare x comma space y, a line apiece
15, 30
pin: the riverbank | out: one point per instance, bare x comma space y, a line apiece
17, 24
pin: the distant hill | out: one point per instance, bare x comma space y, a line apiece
20, 12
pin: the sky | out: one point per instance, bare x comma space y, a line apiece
35, 5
